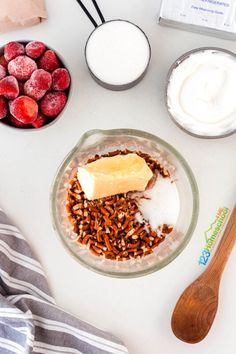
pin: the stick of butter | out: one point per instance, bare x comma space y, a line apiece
113, 175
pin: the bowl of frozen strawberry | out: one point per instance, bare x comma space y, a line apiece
34, 85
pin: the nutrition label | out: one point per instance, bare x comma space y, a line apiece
220, 15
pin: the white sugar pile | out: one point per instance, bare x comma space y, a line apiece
162, 204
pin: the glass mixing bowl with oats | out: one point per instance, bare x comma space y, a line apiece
110, 227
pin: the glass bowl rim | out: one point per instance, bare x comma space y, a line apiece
192, 182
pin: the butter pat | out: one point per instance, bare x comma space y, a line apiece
114, 175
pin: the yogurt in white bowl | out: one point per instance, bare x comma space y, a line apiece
201, 90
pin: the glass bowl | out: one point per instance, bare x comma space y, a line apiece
192, 129
100, 142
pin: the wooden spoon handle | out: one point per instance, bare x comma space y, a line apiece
219, 260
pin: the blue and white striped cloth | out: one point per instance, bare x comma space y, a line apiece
30, 321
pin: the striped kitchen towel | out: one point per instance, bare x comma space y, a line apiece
30, 321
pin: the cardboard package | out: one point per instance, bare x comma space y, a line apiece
21, 13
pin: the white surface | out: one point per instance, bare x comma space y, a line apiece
137, 310
118, 53
201, 93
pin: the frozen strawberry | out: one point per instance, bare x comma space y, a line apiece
39, 83
35, 49
9, 87
42, 79
3, 107
39, 121
3, 72
53, 103
60, 79
31, 90
22, 67
3, 61
17, 123
25, 109
49, 61
13, 50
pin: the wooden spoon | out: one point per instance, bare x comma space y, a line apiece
195, 311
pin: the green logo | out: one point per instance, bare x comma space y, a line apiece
212, 234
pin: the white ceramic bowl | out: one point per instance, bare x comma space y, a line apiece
54, 120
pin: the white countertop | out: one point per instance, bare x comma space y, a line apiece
137, 310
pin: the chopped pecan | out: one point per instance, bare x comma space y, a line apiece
108, 226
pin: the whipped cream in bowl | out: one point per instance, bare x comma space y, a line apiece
200, 94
